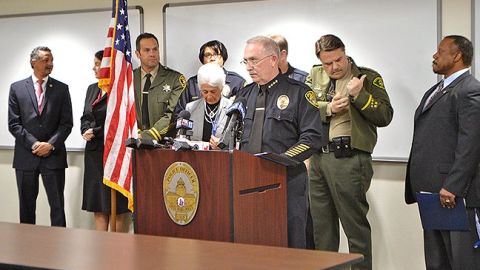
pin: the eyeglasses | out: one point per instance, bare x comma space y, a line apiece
253, 62
209, 55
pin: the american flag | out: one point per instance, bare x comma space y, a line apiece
116, 78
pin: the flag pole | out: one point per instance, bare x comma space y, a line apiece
113, 210
116, 79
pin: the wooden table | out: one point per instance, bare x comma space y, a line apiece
28, 246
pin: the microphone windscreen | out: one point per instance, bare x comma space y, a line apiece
238, 106
184, 115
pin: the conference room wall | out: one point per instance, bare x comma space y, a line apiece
396, 229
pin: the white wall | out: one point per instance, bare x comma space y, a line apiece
397, 234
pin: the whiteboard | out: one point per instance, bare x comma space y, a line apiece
396, 38
476, 38
73, 37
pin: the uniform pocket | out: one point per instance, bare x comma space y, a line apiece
280, 115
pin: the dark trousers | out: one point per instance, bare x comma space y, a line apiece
338, 188
452, 250
297, 206
54, 183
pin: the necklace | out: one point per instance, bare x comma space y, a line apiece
211, 113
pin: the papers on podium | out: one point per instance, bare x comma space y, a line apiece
436, 217
279, 159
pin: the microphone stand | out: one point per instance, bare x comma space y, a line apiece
235, 135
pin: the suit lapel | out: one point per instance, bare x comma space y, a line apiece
29, 87
48, 93
437, 97
198, 113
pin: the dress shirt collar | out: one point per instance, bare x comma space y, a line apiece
35, 80
153, 72
451, 78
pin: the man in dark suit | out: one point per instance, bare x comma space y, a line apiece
445, 152
40, 119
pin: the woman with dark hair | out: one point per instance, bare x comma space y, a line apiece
211, 52
96, 195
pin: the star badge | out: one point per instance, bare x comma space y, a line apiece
167, 88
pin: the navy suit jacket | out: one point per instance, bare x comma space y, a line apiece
28, 126
445, 150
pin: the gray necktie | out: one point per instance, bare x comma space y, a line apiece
433, 94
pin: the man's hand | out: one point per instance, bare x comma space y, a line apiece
355, 85
42, 149
88, 134
339, 103
447, 199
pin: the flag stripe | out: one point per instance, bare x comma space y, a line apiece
116, 78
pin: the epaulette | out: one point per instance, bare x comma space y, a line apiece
171, 70
368, 69
300, 72
231, 73
295, 82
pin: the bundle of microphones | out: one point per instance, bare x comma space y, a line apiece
184, 126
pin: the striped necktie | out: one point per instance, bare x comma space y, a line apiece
433, 94
40, 96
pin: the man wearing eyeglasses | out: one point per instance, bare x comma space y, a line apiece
281, 118
353, 103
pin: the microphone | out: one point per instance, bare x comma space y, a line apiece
185, 144
236, 113
184, 124
141, 143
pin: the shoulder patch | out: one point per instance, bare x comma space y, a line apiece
183, 81
378, 82
312, 98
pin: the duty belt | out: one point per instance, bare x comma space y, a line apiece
330, 147
340, 146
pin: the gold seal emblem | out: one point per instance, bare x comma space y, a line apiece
378, 82
181, 192
282, 102
312, 98
183, 81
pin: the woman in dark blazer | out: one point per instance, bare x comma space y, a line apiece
96, 195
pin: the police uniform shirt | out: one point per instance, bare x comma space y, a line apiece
340, 123
296, 74
292, 123
144, 73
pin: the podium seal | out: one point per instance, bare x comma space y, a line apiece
181, 192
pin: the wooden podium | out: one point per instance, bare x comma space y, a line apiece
242, 198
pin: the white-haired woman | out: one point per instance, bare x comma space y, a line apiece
209, 113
